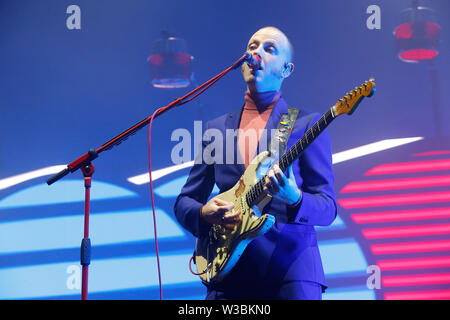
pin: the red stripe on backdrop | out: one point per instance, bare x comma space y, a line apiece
418, 166
410, 247
394, 200
415, 280
409, 231
419, 295
402, 215
431, 153
416, 263
395, 184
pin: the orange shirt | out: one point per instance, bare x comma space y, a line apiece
255, 114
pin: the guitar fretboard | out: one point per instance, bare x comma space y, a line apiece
293, 153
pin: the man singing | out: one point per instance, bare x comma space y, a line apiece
285, 262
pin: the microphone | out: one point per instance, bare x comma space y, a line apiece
253, 61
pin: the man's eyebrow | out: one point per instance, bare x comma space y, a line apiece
271, 41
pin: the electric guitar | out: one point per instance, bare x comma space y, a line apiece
218, 252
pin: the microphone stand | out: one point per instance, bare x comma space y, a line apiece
85, 162
85, 256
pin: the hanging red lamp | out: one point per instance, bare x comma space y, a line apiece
418, 35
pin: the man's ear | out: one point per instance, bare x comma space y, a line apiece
287, 70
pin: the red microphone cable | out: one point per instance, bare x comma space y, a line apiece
178, 102
153, 200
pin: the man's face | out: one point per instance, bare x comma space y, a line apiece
273, 48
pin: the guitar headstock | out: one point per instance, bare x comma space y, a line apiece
348, 103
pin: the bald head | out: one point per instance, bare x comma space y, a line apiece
275, 51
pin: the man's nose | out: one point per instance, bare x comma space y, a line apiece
258, 50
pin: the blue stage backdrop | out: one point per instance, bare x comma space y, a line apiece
64, 90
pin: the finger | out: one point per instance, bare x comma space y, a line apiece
268, 183
232, 217
219, 214
270, 179
266, 190
268, 186
229, 227
223, 203
281, 178
291, 172
222, 209
230, 221
233, 213
273, 185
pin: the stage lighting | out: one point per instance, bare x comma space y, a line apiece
170, 64
417, 36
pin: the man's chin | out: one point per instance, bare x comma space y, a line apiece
253, 78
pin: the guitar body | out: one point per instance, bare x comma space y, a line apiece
217, 253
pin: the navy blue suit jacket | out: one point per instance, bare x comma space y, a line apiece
289, 250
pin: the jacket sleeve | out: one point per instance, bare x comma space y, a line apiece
314, 176
194, 195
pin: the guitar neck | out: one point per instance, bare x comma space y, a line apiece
294, 152
310, 135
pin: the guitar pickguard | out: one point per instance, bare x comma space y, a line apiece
240, 189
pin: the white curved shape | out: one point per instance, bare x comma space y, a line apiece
11, 181
371, 148
68, 191
337, 157
54, 279
106, 228
144, 178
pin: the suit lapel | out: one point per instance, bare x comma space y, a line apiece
279, 108
232, 122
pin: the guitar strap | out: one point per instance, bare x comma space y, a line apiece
279, 140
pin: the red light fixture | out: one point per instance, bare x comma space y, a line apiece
417, 37
170, 64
